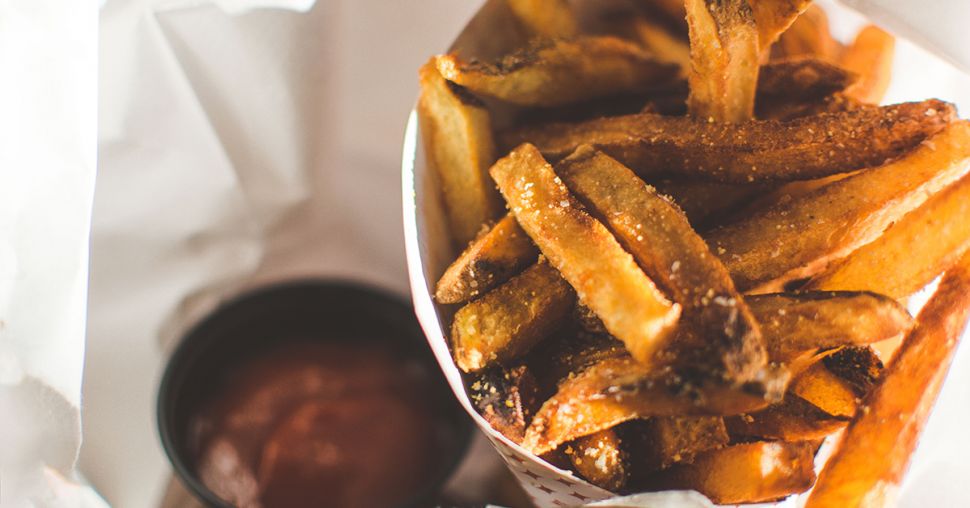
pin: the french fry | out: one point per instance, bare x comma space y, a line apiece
724, 60
491, 259
871, 57
873, 454
507, 398
804, 80
707, 202
660, 42
605, 277
911, 253
600, 458
795, 323
774, 17
511, 319
808, 36
457, 134
755, 151
787, 111
658, 443
567, 354
557, 72
546, 18
663, 243
792, 420
744, 473
837, 383
795, 240
619, 389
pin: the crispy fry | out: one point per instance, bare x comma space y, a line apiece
824, 390
557, 72
600, 458
509, 320
837, 383
774, 17
911, 253
660, 42
605, 277
792, 420
873, 454
871, 57
759, 150
658, 443
787, 111
507, 398
809, 36
567, 354
803, 80
491, 259
800, 322
724, 60
744, 473
619, 389
662, 241
794, 240
546, 18
706, 202
457, 135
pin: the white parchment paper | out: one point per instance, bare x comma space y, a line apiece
48, 61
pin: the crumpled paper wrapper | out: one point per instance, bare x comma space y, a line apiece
48, 95
429, 252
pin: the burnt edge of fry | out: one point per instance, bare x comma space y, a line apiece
859, 367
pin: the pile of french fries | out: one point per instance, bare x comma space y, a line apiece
689, 232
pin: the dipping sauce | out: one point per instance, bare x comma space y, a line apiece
320, 424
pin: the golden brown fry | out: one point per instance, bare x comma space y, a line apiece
557, 72
824, 390
546, 18
837, 383
792, 420
873, 454
660, 42
491, 259
871, 57
801, 80
619, 389
724, 60
707, 202
658, 443
458, 141
808, 36
662, 241
744, 473
774, 17
798, 322
507, 398
785, 111
509, 320
911, 253
605, 277
794, 240
568, 353
758, 150
600, 458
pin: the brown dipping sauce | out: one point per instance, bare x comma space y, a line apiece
319, 424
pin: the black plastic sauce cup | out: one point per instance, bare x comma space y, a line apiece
304, 310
